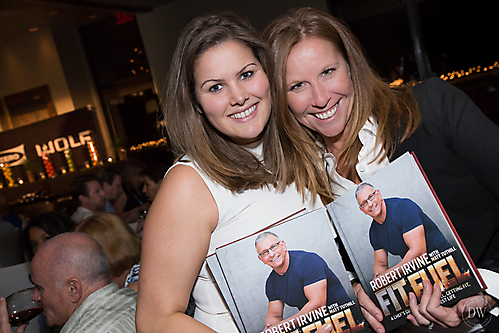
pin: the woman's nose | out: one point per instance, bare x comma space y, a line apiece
320, 97
238, 95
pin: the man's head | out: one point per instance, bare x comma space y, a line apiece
272, 251
88, 191
371, 202
65, 270
111, 183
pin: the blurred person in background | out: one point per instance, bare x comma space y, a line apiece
42, 228
153, 175
132, 202
121, 244
8, 216
111, 183
86, 190
10, 236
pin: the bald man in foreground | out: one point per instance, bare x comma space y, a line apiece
70, 274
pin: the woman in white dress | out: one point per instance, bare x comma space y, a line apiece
236, 172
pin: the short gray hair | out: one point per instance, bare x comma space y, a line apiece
361, 186
75, 254
264, 235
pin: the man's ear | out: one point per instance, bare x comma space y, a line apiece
284, 245
82, 198
75, 290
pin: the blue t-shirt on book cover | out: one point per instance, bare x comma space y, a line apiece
305, 268
403, 215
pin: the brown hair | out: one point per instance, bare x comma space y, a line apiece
188, 129
119, 241
394, 108
190, 132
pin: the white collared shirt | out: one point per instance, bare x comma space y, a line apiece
366, 166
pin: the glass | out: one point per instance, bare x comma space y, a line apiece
370, 198
21, 307
272, 248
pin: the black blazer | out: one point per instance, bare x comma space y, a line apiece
458, 147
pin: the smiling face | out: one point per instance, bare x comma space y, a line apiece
371, 203
319, 89
233, 91
278, 259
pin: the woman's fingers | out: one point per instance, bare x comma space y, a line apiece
416, 317
371, 313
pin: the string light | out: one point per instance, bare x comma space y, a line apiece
47, 163
473, 70
94, 155
7, 173
138, 62
397, 82
69, 160
458, 74
149, 144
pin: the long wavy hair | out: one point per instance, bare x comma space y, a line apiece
394, 108
188, 129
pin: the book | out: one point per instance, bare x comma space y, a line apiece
309, 240
370, 241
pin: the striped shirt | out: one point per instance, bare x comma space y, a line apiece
133, 275
107, 310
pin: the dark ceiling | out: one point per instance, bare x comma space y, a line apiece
18, 16
457, 34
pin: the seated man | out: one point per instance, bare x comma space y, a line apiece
111, 183
112, 186
399, 226
88, 192
70, 274
299, 279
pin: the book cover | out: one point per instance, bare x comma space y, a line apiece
247, 274
397, 234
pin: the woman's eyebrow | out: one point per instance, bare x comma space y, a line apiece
246, 67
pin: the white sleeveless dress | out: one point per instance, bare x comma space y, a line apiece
239, 215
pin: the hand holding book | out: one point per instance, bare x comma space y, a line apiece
386, 300
371, 313
399, 205
429, 310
